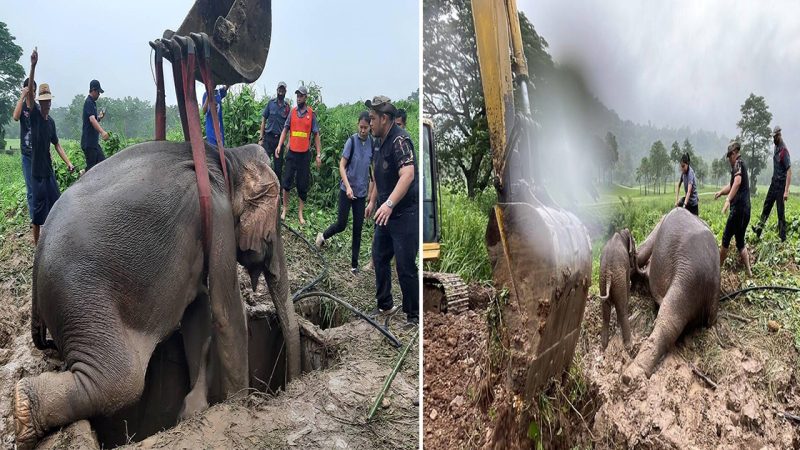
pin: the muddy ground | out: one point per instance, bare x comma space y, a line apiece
322, 409
755, 372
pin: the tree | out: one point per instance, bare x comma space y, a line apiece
719, 167
755, 136
643, 174
453, 94
675, 153
11, 76
611, 155
659, 165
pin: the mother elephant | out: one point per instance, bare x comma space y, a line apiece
682, 269
120, 266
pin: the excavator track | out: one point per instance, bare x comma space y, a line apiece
444, 293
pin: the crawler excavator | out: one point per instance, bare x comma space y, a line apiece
540, 253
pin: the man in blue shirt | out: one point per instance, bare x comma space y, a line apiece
272, 121
91, 131
219, 94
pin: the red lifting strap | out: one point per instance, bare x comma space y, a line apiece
161, 107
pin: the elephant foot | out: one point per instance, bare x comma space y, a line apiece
26, 428
193, 403
633, 374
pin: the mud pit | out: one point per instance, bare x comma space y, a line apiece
345, 362
756, 372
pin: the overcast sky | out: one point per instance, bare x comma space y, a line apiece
353, 49
681, 63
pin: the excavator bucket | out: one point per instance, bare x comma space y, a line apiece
239, 32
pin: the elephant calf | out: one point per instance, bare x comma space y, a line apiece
120, 266
682, 269
617, 261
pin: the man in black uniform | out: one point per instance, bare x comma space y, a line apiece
738, 199
396, 218
91, 131
779, 186
272, 121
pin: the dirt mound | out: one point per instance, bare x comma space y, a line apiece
455, 357
325, 408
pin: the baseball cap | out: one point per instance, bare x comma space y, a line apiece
776, 131
301, 90
44, 92
381, 103
94, 85
281, 84
733, 144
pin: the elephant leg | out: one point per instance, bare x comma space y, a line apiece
621, 306
278, 284
606, 321
229, 324
196, 331
106, 374
670, 323
645, 249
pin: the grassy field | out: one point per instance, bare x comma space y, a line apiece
775, 263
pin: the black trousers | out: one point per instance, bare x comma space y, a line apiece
297, 167
694, 209
93, 156
270, 144
398, 238
774, 196
345, 204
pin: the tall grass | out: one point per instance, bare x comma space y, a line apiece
463, 245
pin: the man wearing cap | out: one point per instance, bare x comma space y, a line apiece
396, 218
91, 132
300, 125
23, 115
211, 137
272, 121
779, 186
43, 133
738, 199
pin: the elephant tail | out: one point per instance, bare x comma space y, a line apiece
608, 289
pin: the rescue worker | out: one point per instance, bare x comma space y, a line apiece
737, 198
272, 120
300, 125
43, 133
778, 192
394, 201
23, 115
92, 130
689, 200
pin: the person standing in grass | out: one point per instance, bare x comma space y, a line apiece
778, 192
737, 198
219, 94
354, 168
43, 133
272, 120
300, 126
689, 199
23, 115
394, 200
92, 130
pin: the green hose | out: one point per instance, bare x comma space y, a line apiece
389, 380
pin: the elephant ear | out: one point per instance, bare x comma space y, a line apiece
260, 194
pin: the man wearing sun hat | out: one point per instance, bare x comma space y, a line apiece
300, 125
43, 133
91, 130
778, 192
396, 219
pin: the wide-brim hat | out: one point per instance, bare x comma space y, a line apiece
44, 92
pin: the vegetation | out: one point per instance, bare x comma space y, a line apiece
755, 136
11, 76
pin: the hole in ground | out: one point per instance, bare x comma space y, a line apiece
167, 379
323, 312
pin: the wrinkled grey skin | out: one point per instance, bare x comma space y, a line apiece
617, 261
119, 267
681, 267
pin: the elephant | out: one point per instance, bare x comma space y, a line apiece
617, 261
681, 268
121, 265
